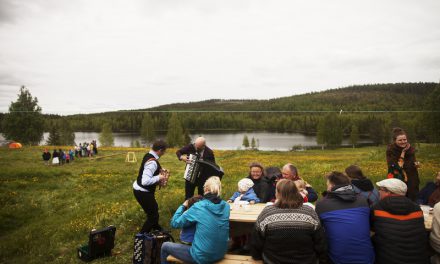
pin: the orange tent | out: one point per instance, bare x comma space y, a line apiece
15, 145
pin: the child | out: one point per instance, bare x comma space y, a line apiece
67, 157
71, 154
301, 185
245, 192
187, 233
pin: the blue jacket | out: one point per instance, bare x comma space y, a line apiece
212, 229
187, 234
345, 217
250, 195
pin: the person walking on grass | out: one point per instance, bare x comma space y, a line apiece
46, 156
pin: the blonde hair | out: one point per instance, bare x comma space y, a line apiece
300, 185
213, 186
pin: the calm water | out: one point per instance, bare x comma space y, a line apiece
218, 140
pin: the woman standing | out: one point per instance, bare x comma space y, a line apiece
211, 217
402, 163
288, 231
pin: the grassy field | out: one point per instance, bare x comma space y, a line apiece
47, 211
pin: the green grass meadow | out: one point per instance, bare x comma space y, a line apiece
47, 211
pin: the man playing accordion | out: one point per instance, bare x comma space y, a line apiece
205, 153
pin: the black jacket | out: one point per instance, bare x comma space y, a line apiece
400, 235
208, 154
262, 188
46, 156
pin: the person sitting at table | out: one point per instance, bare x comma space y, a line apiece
290, 172
430, 194
398, 223
301, 186
288, 231
211, 217
434, 236
245, 192
187, 232
345, 217
273, 174
262, 184
362, 185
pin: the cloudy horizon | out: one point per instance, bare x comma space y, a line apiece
97, 56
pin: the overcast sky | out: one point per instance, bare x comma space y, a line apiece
100, 55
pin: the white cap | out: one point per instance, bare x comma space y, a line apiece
395, 186
245, 184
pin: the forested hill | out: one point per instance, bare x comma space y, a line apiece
379, 97
372, 109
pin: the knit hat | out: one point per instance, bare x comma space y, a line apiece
245, 184
395, 186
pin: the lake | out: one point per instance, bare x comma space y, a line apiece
219, 140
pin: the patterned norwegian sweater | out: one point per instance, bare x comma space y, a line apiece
288, 236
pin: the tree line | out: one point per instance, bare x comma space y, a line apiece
317, 113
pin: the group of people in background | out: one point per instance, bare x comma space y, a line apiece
61, 157
355, 221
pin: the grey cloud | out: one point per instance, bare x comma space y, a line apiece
9, 80
431, 62
8, 11
12, 11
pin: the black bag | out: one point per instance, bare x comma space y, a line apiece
101, 243
147, 246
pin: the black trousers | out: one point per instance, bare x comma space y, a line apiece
190, 188
151, 209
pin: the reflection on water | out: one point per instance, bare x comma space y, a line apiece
218, 140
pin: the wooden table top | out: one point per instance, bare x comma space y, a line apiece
246, 213
249, 214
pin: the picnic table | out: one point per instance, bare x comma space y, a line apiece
244, 216
246, 213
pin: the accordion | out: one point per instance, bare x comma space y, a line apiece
147, 247
192, 169
197, 167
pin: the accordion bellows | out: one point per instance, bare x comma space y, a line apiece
192, 169
147, 247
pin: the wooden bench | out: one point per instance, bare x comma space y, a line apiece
228, 259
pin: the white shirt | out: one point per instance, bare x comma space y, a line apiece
147, 176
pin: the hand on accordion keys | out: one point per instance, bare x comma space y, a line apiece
164, 176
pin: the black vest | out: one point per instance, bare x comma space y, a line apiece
150, 188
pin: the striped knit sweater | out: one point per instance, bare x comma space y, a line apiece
288, 236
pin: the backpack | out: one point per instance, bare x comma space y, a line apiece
147, 246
